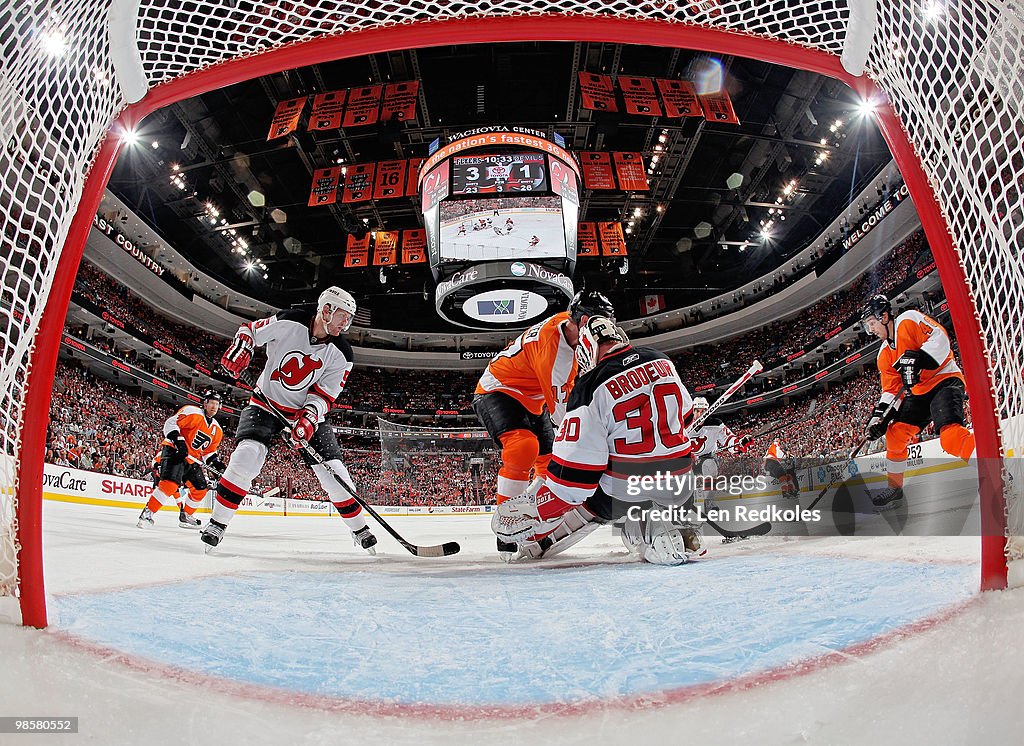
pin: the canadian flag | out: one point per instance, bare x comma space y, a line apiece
652, 304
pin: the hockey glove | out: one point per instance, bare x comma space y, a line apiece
216, 463
879, 421
515, 521
304, 427
744, 443
238, 356
180, 446
910, 365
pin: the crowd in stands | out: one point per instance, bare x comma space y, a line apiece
727, 360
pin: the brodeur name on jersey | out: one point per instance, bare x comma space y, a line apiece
300, 370
535, 369
627, 418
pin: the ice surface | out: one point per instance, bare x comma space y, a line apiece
288, 605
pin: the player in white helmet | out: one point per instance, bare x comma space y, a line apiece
308, 363
711, 437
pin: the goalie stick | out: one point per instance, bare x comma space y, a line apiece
856, 450
752, 371
435, 550
759, 530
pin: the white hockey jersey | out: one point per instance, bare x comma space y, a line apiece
714, 436
300, 370
626, 419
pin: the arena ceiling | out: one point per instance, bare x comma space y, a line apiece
696, 235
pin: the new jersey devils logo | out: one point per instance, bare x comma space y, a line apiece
295, 370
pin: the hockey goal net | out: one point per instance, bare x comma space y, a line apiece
948, 77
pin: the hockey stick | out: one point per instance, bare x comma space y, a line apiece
436, 550
759, 530
856, 450
752, 371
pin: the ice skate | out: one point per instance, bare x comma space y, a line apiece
212, 534
887, 499
364, 540
146, 519
188, 521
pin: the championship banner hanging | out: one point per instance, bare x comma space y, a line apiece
411, 176
400, 101
597, 170
680, 98
718, 107
639, 96
286, 117
613, 243
629, 167
325, 186
357, 251
597, 92
385, 248
359, 182
586, 240
390, 180
414, 246
363, 106
327, 110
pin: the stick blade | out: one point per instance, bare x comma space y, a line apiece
439, 550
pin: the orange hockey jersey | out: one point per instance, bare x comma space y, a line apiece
915, 331
775, 452
538, 368
202, 434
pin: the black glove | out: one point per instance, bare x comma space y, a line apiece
216, 463
178, 440
910, 365
879, 421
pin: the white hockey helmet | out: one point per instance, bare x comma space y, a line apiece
337, 300
699, 402
595, 332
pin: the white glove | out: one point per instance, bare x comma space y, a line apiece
516, 520
667, 548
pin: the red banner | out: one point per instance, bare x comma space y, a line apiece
652, 304
410, 179
718, 107
327, 110
359, 182
414, 246
597, 170
613, 243
357, 251
563, 180
390, 180
629, 167
400, 101
639, 96
597, 92
286, 117
435, 186
363, 106
680, 98
385, 248
325, 186
586, 240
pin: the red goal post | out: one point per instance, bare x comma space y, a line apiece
946, 87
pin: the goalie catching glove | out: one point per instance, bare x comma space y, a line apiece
304, 427
239, 355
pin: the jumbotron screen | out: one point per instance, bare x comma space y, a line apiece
497, 174
502, 228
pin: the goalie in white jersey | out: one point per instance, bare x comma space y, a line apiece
624, 426
308, 363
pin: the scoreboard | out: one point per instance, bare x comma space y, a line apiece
497, 174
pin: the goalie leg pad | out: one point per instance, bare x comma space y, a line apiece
576, 525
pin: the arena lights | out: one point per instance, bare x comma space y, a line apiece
866, 107
709, 79
129, 137
766, 234
53, 43
933, 11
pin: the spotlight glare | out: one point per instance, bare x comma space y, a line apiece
129, 137
866, 108
53, 43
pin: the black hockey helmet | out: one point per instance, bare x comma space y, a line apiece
211, 394
875, 306
590, 303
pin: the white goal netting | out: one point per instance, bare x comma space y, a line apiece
954, 73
